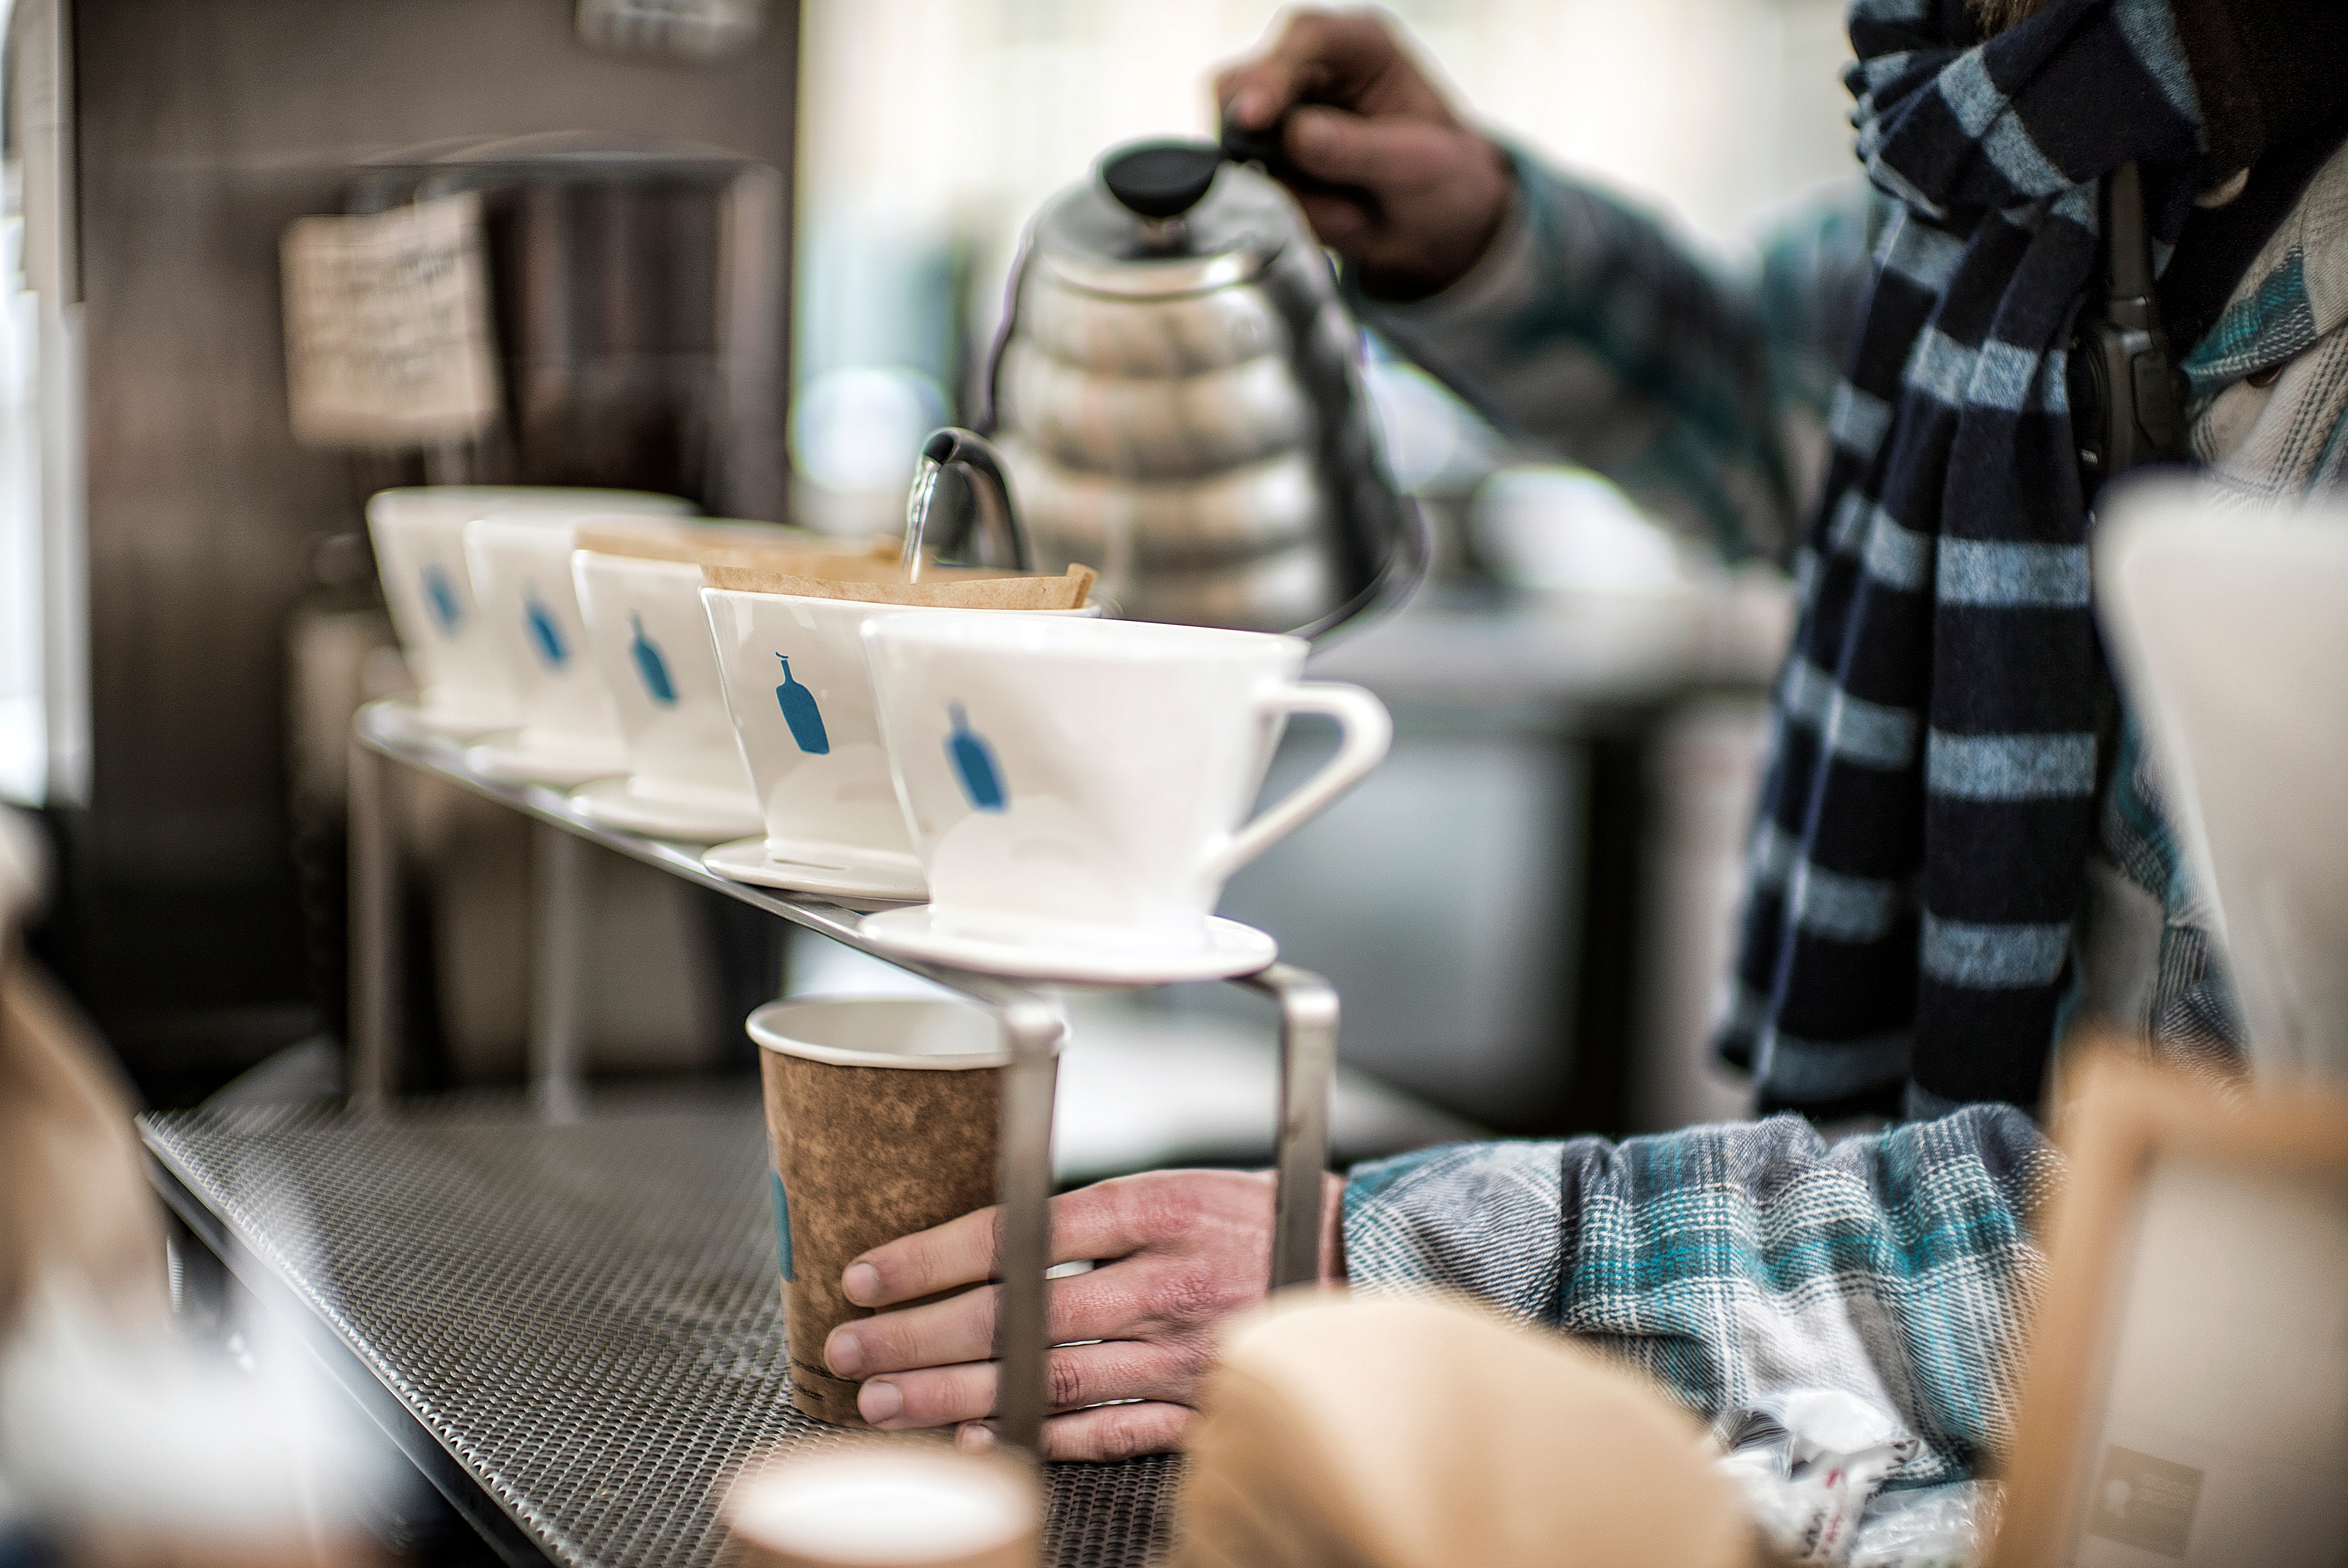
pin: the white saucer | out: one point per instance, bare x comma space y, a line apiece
512, 759
1231, 949
615, 803
747, 860
417, 720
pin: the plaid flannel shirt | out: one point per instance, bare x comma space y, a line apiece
1734, 1260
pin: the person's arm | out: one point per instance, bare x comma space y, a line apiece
1735, 1260
1573, 322
1730, 1261
1586, 329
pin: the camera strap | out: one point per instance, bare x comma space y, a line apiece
2127, 398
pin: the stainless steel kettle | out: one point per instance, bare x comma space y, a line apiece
1177, 396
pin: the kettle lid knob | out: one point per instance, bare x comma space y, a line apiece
1160, 180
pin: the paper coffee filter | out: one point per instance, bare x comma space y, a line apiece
462, 503
695, 539
872, 580
1383, 1432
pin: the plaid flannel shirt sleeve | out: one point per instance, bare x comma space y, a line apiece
1734, 1261
1588, 333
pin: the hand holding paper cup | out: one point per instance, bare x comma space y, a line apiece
1078, 791
883, 1114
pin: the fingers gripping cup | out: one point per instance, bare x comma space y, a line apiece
1078, 791
883, 1116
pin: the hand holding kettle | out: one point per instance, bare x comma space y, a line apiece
1390, 176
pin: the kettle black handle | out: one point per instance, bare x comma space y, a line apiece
1267, 147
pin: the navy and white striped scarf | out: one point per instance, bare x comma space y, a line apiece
1920, 846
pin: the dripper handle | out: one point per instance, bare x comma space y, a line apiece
982, 465
1364, 732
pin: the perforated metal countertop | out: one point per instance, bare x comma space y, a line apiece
585, 1318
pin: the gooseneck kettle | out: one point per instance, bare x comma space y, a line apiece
1177, 397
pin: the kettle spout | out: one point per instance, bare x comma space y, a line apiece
999, 528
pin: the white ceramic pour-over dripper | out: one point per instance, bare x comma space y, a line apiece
650, 640
418, 533
2232, 644
530, 601
800, 702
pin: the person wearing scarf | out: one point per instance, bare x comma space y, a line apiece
1960, 850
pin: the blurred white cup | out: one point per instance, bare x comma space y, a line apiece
419, 546
529, 604
1572, 531
651, 642
885, 1505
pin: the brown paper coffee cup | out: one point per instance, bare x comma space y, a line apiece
883, 1504
883, 1116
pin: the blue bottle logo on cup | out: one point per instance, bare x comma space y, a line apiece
973, 763
651, 668
441, 595
802, 714
545, 631
782, 1226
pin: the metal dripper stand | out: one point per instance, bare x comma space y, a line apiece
1031, 1020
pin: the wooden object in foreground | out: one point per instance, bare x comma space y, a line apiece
2189, 1365
1410, 1434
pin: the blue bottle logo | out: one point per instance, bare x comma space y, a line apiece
973, 762
650, 665
440, 594
545, 631
802, 714
782, 1226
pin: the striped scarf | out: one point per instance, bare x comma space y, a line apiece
1920, 846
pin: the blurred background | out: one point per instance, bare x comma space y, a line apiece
931, 129
748, 254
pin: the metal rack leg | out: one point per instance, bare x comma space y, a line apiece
559, 969
376, 931
1308, 1070
1021, 1326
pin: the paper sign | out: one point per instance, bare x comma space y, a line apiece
2141, 1500
388, 326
